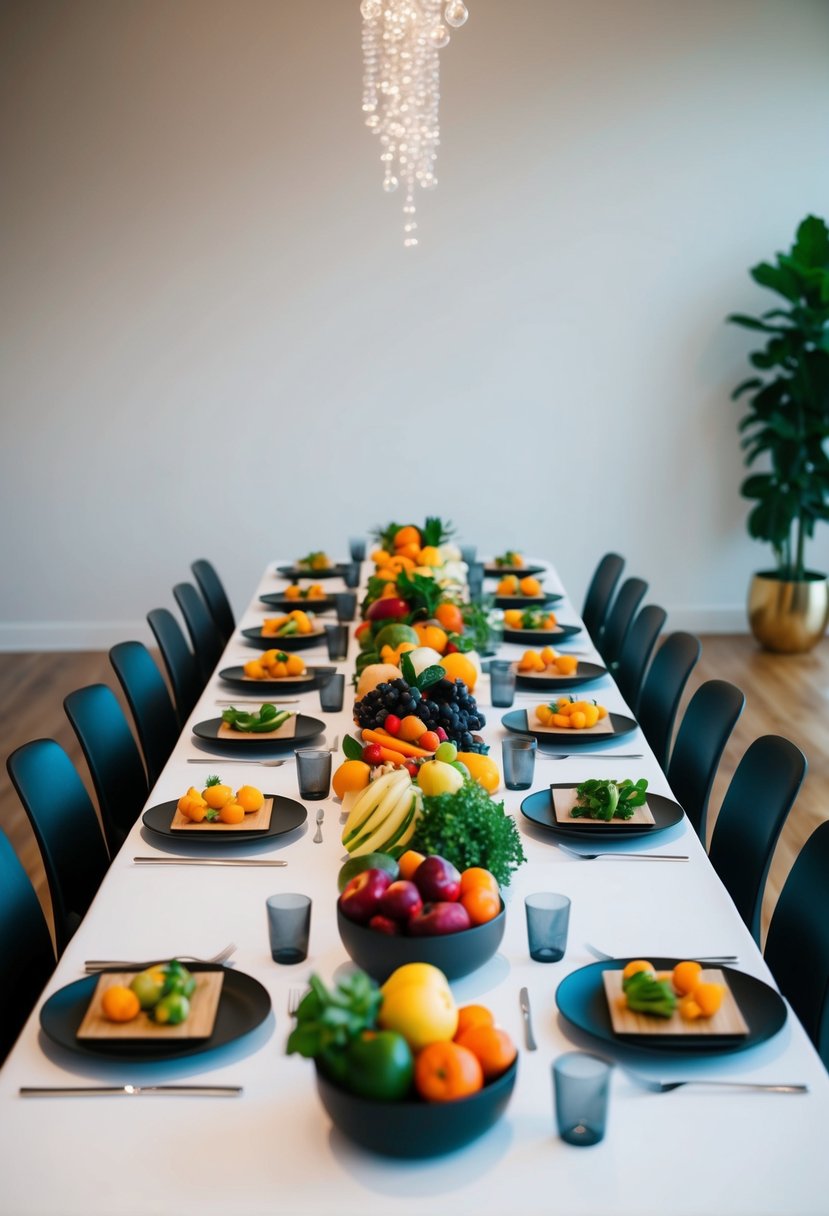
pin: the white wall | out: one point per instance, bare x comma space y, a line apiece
216, 345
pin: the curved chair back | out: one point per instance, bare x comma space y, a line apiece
215, 596
26, 955
637, 650
182, 666
797, 946
113, 758
662, 690
756, 803
66, 827
149, 701
706, 727
620, 618
204, 633
602, 585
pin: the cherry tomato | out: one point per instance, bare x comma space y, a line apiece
392, 724
429, 741
411, 768
373, 753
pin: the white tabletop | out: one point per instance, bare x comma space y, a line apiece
273, 1149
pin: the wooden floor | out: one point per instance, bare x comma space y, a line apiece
786, 695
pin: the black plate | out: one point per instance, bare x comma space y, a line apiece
306, 729
541, 637
517, 720
243, 1005
527, 601
295, 641
294, 574
235, 678
585, 673
581, 1000
521, 571
538, 808
285, 817
283, 604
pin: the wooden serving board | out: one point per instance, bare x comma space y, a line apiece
549, 673
604, 726
565, 799
204, 1004
727, 1021
282, 679
256, 821
276, 639
286, 731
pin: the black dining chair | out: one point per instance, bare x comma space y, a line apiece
620, 618
215, 597
27, 958
797, 946
706, 727
204, 633
149, 701
758, 799
113, 759
637, 650
182, 666
662, 691
601, 588
66, 828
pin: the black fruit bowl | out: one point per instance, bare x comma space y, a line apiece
455, 954
414, 1128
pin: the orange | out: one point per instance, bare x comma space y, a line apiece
195, 809
635, 966
254, 670
458, 667
411, 550
409, 862
407, 535
493, 1048
566, 664
530, 586
250, 798
685, 977
217, 795
432, 636
232, 812
295, 665
482, 769
445, 1072
709, 998
689, 1009
380, 557
477, 878
120, 1004
482, 904
450, 617
411, 728
430, 556
351, 775
473, 1015
578, 720
423, 1012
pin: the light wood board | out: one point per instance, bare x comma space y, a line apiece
565, 799
256, 821
604, 726
726, 1021
286, 731
204, 1004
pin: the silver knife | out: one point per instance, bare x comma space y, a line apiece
204, 861
524, 998
101, 1091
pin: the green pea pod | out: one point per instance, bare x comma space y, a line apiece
244, 722
287, 629
267, 711
272, 724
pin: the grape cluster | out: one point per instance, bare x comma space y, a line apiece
448, 704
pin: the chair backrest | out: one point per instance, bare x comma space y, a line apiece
662, 690
706, 727
620, 617
758, 799
66, 828
182, 665
637, 650
113, 758
149, 701
204, 633
797, 946
602, 585
215, 596
27, 958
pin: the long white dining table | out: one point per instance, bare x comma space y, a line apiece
273, 1149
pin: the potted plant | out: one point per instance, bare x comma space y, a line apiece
787, 425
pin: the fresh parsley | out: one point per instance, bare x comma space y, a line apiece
598, 799
469, 828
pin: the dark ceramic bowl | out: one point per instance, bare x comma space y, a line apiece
455, 954
414, 1128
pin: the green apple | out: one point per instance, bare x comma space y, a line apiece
437, 777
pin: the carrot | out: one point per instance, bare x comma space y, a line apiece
390, 757
384, 738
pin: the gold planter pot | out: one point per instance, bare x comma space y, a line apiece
788, 617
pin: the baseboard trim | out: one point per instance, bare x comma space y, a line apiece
20, 636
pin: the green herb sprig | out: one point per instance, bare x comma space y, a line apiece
327, 1020
265, 720
469, 828
605, 799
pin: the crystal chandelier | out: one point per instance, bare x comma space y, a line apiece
402, 40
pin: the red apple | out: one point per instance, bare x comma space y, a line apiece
437, 879
439, 918
361, 897
382, 924
401, 900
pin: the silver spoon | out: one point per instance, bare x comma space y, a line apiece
318, 833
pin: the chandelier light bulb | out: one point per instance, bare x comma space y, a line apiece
439, 36
455, 14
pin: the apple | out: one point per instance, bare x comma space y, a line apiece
382, 924
401, 900
361, 897
446, 752
438, 777
438, 918
437, 880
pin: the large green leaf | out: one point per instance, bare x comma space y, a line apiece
777, 279
738, 318
811, 247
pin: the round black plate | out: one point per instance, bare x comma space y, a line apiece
527, 601
517, 720
235, 678
294, 641
581, 999
295, 574
243, 1005
521, 571
285, 817
538, 808
306, 728
283, 604
584, 674
541, 637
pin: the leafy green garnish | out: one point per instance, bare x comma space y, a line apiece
605, 799
214, 780
421, 593
267, 719
327, 1020
352, 750
428, 677
646, 994
469, 828
436, 531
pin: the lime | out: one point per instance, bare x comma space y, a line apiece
147, 988
172, 1009
178, 979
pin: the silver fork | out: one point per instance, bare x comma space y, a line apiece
295, 996
228, 761
98, 964
665, 1087
622, 856
318, 833
699, 958
589, 755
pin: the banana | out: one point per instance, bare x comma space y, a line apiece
387, 822
369, 800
